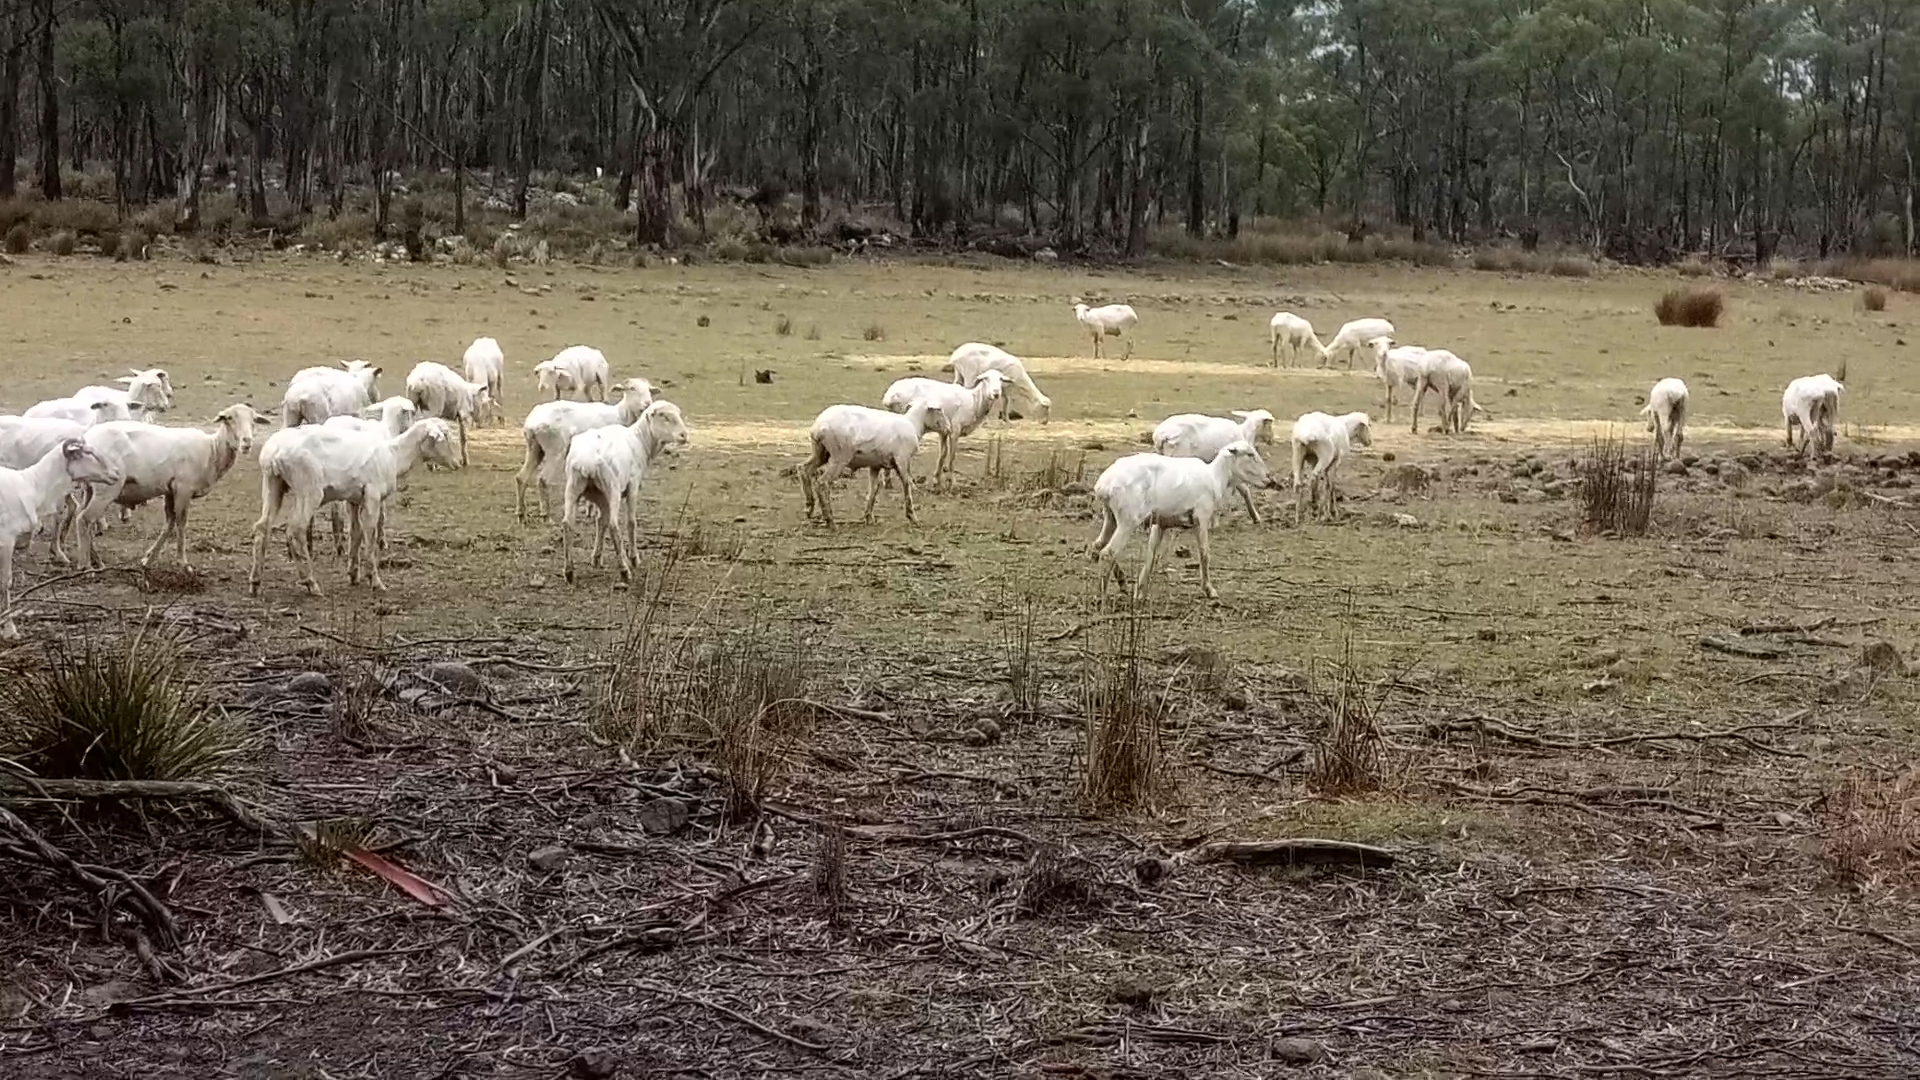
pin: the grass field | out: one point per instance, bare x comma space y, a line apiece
1620, 852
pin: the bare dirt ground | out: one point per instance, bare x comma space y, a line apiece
1618, 851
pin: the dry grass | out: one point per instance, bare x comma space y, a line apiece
19, 238
1060, 469
1874, 299
1125, 763
1870, 832
874, 332
1572, 266
1347, 748
1690, 307
62, 243
828, 875
1693, 267
1617, 492
749, 690
1023, 676
783, 326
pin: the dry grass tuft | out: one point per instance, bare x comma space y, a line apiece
1870, 831
322, 846
1048, 882
1572, 266
1691, 306
1874, 299
1125, 766
1062, 468
1023, 676
1693, 268
1616, 492
1347, 748
357, 686
19, 238
783, 326
874, 332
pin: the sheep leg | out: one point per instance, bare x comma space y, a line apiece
1128, 355
9, 631
632, 556
1107, 524
1247, 494
462, 421
301, 515
873, 490
1115, 533
529, 473
599, 529
1419, 392
1146, 568
180, 532
1206, 556
69, 510
269, 505
365, 517
620, 547
906, 492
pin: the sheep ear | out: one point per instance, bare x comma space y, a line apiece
125, 379
73, 448
1239, 413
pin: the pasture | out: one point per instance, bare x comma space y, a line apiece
1618, 851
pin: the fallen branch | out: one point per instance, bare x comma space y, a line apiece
850, 712
336, 960
1881, 935
895, 834
1302, 851
1735, 647
731, 1014
98, 879
14, 783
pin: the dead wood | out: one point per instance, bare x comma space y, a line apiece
19, 784
1301, 851
1735, 647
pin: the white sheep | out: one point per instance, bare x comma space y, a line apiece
1398, 366
304, 468
24, 440
1452, 379
25, 495
1168, 493
483, 362
316, 393
1296, 333
151, 390
1666, 413
1321, 442
976, 358
1811, 405
73, 409
551, 425
576, 367
153, 462
606, 466
845, 437
439, 391
1197, 435
1113, 320
965, 410
390, 416
1352, 337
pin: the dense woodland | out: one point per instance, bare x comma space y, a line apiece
1636, 127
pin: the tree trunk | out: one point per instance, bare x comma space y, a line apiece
11, 67
1196, 173
49, 106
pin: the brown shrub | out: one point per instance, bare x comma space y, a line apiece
1690, 307
1874, 299
62, 243
19, 238
1571, 266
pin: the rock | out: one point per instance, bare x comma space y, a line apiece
593, 1065
1676, 468
1150, 870
989, 731
548, 859
1133, 991
457, 679
1406, 521
1532, 495
308, 684
663, 816
108, 993
1299, 1051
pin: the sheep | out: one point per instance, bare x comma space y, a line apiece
357, 368
1322, 442
1199, 436
1451, 378
151, 390
1168, 493
964, 409
25, 440
606, 466
304, 468
1666, 413
576, 367
316, 393
25, 495
847, 437
1811, 404
551, 425
483, 362
390, 416
1297, 334
152, 462
1352, 336
1114, 320
438, 391
975, 358
88, 413
1400, 365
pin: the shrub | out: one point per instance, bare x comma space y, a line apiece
1571, 266
19, 238
1616, 493
783, 326
1690, 307
61, 243
1492, 259
1347, 756
1693, 267
83, 216
874, 332
729, 249
1874, 299
1125, 763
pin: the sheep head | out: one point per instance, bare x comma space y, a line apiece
1260, 421
1244, 464
664, 427
437, 443
85, 465
239, 422
1359, 428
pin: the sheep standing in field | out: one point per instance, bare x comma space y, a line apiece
576, 367
1113, 320
390, 416
483, 362
1168, 493
24, 440
146, 393
972, 360
154, 462
1811, 405
438, 391
304, 468
1452, 379
1297, 335
316, 393
1398, 366
1196, 435
606, 466
845, 437
1321, 442
74, 410
25, 496
1666, 413
964, 409
551, 425
1353, 338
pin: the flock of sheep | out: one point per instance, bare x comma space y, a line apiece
66, 462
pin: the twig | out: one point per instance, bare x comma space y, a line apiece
1084, 625
336, 960
731, 1014
218, 797
1880, 934
1306, 850
850, 712
889, 834
507, 961
1735, 647
94, 878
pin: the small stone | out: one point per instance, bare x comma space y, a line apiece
1406, 521
310, 684
456, 678
1150, 870
988, 731
548, 859
664, 816
593, 1065
1299, 1051
537, 581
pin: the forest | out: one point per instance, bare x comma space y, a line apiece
1638, 129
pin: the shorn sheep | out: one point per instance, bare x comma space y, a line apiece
606, 467
1168, 493
1113, 320
576, 367
965, 410
146, 393
1451, 378
1401, 365
1666, 413
975, 358
1320, 443
316, 393
1296, 333
304, 468
390, 416
483, 362
25, 495
551, 425
1811, 406
1353, 337
438, 391
74, 410
1196, 435
852, 437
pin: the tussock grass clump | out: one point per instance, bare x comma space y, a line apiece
783, 326
1061, 468
1616, 491
1874, 299
1023, 676
1049, 881
1690, 307
322, 846
1125, 764
1693, 268
1571, 266
1869, 831
19, 238
62, 243
1347, 757
874, 332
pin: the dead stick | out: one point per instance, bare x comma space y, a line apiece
354, 957
732, 1014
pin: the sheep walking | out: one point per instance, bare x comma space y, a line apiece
1113, 320
25, 497
1200, 436
1353, 337
1163, 493
606, 467
551, 426
483, 362
1811, 406
852, 437
1400, 366
576, 367
1451, 378
1296, 333
1666, 413
965, 410
1320, 444
974, 359
439, 391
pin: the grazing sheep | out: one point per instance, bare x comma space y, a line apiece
1811, 405
316, 393
965, 410
1297, 335
1168, 493
25, 495
847, 437
1196, 435
606, 466
304, 468
483, 362
1352, 337
146, 393
1113, 320
97, 411
1666, 413
551, 425
439, 391
1322, 442
1450, 377
576, 367
975, 358
1398, 366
